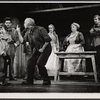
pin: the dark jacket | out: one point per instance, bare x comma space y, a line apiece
79, 40
96, 35
37, 37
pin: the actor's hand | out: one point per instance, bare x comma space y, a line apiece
41, 50
18, 29
92, 30
27, 43
15, 44
4, 54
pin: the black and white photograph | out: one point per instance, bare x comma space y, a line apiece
49, 47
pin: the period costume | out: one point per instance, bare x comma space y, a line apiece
12, 49
36, 37
96, 43
74, 43
27, 51
52, 64
5, 39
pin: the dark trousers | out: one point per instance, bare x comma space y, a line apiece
11, 67
98, 58
7, 62
40, 60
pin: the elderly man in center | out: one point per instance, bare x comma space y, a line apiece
37, 38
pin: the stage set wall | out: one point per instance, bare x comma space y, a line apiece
62, 21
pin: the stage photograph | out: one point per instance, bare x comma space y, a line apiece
49, 47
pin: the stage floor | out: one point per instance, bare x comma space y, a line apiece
63, 86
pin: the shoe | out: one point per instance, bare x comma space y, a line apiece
25, 78
12, 79
47, 82
26, 83
5, 83
37, 78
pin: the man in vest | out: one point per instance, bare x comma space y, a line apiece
38, 40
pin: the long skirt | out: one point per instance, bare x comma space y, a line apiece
53, 63
74, 65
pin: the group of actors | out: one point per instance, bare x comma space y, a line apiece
40, 47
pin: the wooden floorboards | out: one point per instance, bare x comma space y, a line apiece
62, 86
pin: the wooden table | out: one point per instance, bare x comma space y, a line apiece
78, 55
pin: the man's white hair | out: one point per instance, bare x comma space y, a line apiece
30, 21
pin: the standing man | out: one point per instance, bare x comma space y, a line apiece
95, 32
39, 41
27, 51
13, 45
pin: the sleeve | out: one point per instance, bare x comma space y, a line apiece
45, 35
95, 31
57, 43
23, 32
0, 36
16, 39
1, 49
26, 37
81, 38
65, 43
15, 36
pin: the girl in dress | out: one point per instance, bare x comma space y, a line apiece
74, 43
52, 64
5, 39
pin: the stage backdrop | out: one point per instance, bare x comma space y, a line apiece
20, 63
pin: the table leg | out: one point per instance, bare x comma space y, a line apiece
58, 77
55, 77
94, 68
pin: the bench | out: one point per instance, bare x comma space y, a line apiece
78, 55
